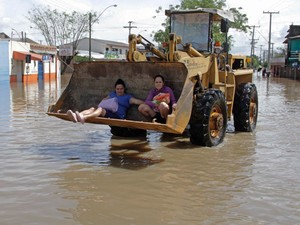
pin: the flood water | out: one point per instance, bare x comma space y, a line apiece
57, 172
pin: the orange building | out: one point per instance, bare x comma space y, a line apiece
21, 61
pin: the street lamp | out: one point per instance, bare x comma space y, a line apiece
20, 37
90, 27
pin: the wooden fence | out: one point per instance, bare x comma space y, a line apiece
288, 72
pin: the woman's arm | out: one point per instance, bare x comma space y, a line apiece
149, 98
135, 101
172, 96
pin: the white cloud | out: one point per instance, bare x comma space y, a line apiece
288, 14
111, 23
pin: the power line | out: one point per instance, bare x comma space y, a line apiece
262, 36
130, 26
57, 4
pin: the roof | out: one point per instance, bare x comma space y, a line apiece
115, 43
290, 38
218, 14
25, 40
3, 35
22, 56
295, 37
107, 42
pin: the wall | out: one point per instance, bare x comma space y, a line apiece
289, 72
294, 51
4, 60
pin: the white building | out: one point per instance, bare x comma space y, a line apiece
102, 48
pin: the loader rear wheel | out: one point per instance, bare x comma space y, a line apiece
245, 108
127, 132
209, 118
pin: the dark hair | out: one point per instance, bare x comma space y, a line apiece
158, 75
120, 81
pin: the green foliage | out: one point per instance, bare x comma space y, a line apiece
280, 52
240, 20
255, 62
193, 4
162, 36
79, 59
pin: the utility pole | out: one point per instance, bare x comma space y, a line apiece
90, 36
253, 44
269, 44
260, 56
130, 26
265, 55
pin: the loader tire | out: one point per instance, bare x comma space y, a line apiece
127, 132
209, 118
245, 108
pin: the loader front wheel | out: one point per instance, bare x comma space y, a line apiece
209, 118
245, 108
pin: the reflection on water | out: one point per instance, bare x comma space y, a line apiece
4, 105
196, 189
131, 154
57, 172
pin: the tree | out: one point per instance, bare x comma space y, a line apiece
256, 62
193, 4
279, 52
59, 28
240, 20
162, 36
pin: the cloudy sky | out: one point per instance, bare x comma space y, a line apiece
112, 22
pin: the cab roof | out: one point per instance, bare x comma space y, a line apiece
218, 14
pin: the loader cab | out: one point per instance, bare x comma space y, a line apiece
194, 28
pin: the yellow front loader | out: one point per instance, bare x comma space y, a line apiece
211, 86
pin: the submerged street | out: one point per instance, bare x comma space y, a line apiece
58, 172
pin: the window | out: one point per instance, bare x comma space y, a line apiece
193, 28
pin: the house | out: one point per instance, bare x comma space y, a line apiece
23, 60
276, 65
101, 48
289, 66
293, 45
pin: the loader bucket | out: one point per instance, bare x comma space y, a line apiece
92, 81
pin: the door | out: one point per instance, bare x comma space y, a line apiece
40, 70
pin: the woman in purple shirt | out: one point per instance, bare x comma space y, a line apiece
159, 100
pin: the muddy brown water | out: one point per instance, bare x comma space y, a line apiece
58, 172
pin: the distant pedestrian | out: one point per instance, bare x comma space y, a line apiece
264, 72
